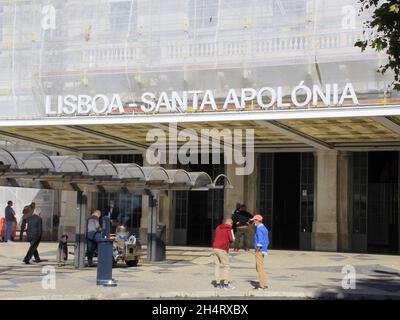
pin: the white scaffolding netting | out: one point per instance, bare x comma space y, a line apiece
74, 47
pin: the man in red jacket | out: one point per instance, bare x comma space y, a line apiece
223, 238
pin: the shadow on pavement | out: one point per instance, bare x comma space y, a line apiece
387, 273
365, 289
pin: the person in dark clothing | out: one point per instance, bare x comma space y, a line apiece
93, 234
235, 211
237, 208
27, 212
241, 220
34, 236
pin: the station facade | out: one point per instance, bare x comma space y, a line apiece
94, 79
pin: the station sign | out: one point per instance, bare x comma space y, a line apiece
265, 98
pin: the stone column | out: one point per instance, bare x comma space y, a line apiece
166, 215
67, 224
343, 202
324, 232
80, 230
166, 212
144, 218
237, 194
145, 212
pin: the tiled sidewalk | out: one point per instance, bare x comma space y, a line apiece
188, 272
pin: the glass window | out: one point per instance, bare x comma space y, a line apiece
181, 202
289, 8
359, 194
203, 14
306, 192
130, 206
283, 15
121, 18
265, 196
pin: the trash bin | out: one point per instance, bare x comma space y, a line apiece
160, 242
105, 262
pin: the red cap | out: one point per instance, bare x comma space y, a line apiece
257, 217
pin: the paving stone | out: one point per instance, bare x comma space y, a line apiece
290, 274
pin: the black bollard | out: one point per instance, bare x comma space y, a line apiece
105, 257
160, 243
106, 227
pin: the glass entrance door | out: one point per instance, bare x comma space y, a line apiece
197, 213
382, 219
382, 215
181, 199
375, 202
286, 198
306, 199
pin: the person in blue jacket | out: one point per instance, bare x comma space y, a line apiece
261, 243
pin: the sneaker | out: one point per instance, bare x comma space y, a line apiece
228, 286
220, 286
260, 288
235, 250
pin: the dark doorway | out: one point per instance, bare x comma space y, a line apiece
205, 208
286, 217
382, 219
199, 225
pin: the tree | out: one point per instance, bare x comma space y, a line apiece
382, 33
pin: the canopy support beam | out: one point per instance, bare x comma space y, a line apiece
388, 123
80, 230
153, 249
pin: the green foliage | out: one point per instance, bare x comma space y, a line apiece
383, 34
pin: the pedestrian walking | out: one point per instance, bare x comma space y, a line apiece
93, 234
34, 237
27, 212
223, 238
261, 243
9, 221
241, 220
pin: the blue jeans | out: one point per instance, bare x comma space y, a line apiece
8, 231
92, 238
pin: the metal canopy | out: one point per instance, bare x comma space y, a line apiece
38, 170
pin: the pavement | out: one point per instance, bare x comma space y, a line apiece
188, 273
